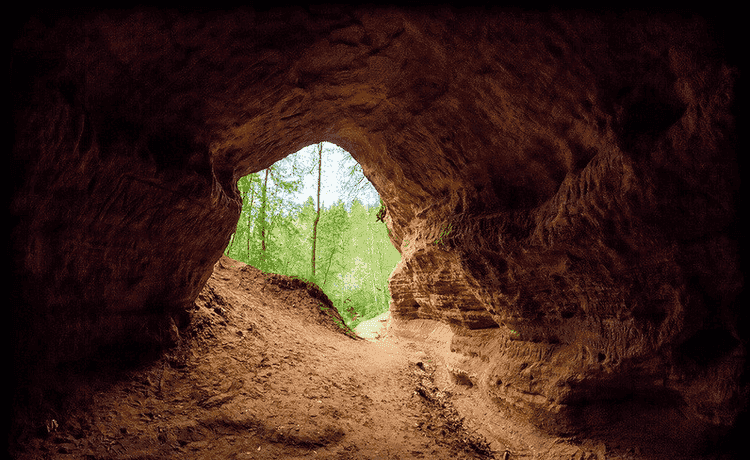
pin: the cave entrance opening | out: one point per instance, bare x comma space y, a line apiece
314, 215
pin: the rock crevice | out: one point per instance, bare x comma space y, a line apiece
562, 186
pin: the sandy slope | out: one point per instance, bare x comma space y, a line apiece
261, 373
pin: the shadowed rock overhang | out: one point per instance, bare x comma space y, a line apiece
562, 186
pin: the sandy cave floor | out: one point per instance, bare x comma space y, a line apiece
260, 373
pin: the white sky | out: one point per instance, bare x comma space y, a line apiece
331, 188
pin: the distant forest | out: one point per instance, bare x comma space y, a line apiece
342, 247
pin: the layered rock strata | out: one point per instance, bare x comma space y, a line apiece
562, 186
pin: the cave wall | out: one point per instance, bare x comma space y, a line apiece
562, 186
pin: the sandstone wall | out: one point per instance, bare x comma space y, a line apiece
562, 186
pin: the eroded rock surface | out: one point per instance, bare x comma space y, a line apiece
562, 187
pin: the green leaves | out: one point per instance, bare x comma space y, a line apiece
445, 230
382, 211
354, 255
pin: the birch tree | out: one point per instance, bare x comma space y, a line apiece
317, 211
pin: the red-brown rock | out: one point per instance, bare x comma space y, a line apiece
562, 187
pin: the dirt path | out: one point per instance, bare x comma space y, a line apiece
263, 371
375, 328
258, 375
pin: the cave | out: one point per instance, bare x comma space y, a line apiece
563, 187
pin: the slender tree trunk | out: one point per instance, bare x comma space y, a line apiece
372, 257
328, 267
381, 275
262, 217
317, 213
231, 242
250, 218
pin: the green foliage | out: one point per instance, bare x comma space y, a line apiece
354, 254
382, 211
445, 230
